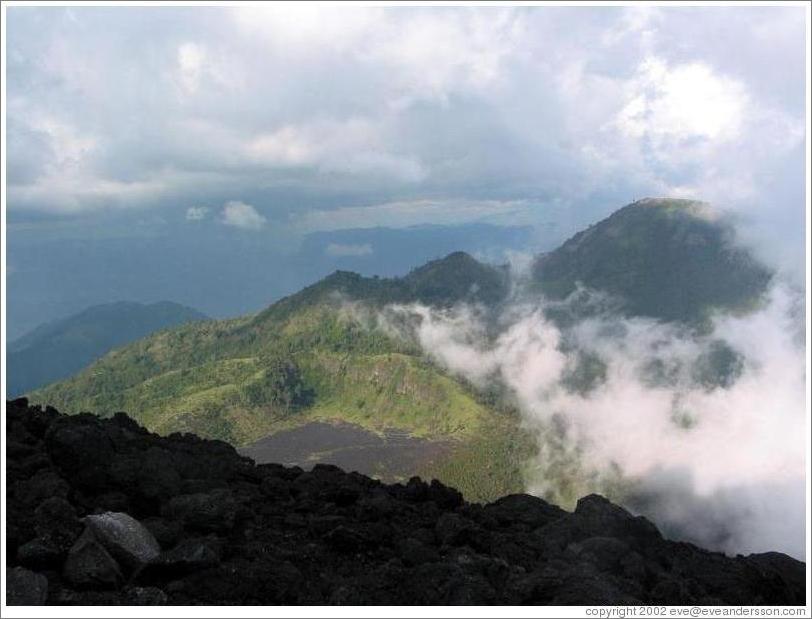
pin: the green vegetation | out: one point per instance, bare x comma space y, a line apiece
492, 464
322, 355
457, 277
393, 391
58, 349
314, 357
668, 259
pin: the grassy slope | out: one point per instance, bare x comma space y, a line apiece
664, 258
198, 378
59, 349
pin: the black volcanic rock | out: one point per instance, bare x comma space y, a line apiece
213, 511
25, 588
190, 555
232, 532
90, 566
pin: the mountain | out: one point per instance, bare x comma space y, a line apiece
54, 275
58, 349
309, 359
389, 252
320, 376
663, 258
441, 283
101, 512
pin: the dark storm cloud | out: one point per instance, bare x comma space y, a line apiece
301, 112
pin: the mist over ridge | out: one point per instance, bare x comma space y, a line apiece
641, 408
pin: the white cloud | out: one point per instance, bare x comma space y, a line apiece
68, 143
340, 249
308, 108
403, 214
430, 56
740, 446
671, 104
73, 192
355, 146
305, 27
191, 59
422, 54
242, 215
197, 213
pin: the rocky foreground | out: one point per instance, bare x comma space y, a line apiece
103, 512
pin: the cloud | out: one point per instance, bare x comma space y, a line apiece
670, 105
196, 213
649, 429
414, 212
339, 249
241, 215
425, 55
354, 146
191, 59
318, 109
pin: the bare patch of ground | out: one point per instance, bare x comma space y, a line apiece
393, 456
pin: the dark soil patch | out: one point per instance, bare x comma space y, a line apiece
393, 456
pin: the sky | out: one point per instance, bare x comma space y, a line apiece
275, 122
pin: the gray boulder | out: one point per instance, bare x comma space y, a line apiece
126, 539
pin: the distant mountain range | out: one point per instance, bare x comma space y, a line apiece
61, 348
54, 277
319, 356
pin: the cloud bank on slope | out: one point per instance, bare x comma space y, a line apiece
702, 432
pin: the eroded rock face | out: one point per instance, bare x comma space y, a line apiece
103, 512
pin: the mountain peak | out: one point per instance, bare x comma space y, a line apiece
454, 260
457, 277
696, 208
665, 258
668, 202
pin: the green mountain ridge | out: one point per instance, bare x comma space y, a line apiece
455, 278
314, 356
664, 258
58, 349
